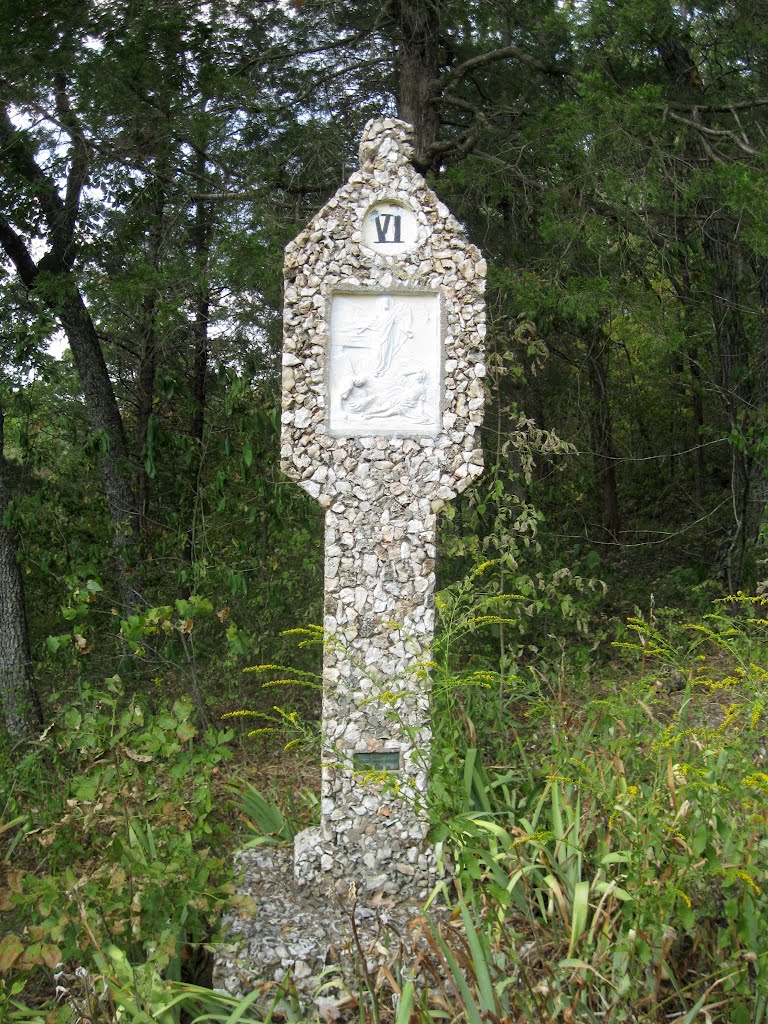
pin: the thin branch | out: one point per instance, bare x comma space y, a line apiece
457, 101
18, 253
663, 537
286, 55
331, 75
657, 458
492, 56
714, 132
714, 108
461, 146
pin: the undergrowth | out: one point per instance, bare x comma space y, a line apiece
607, 838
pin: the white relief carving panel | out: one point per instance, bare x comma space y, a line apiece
385, 367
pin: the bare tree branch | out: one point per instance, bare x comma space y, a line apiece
714, 132
505, 53
287, 55
78, 170
460, 147
462, 104
17, 252
725, 108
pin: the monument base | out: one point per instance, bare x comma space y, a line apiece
385, 865
317, 944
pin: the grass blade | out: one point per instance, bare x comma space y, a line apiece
405, 1005
579, 914
479, 961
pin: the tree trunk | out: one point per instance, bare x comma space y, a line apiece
202, 229
106, 422
52, 277
601, 430
697, 407
418, 65
148, 364
740, 362
21, 709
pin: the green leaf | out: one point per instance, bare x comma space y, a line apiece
72, 718
405, 1004
615, 858
622, 894
699, 841
86, 789
469, 1006
579, 914
480, 960
182, 710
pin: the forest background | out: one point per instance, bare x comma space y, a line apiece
608, 158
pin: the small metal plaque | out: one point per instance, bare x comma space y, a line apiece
381, 761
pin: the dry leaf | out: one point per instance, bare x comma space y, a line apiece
15, 877
11, 948
51, 955
135, 756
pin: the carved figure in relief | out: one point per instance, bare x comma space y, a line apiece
357, 397
384, 363
390, 330
405, 397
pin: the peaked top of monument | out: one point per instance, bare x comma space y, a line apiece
385, 175
386, 139
384, 322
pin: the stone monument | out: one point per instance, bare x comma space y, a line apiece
382, 403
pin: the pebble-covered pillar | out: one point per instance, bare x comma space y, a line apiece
382, 403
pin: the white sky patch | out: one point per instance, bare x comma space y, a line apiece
57, 345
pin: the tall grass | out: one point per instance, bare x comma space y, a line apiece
614, 869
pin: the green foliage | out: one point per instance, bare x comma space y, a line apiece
612, 167
266, 821
612, 868
217, 1008
140, 995
133, 872
522, 613
621, 872
500, 642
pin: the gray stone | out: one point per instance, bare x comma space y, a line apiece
306, 939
